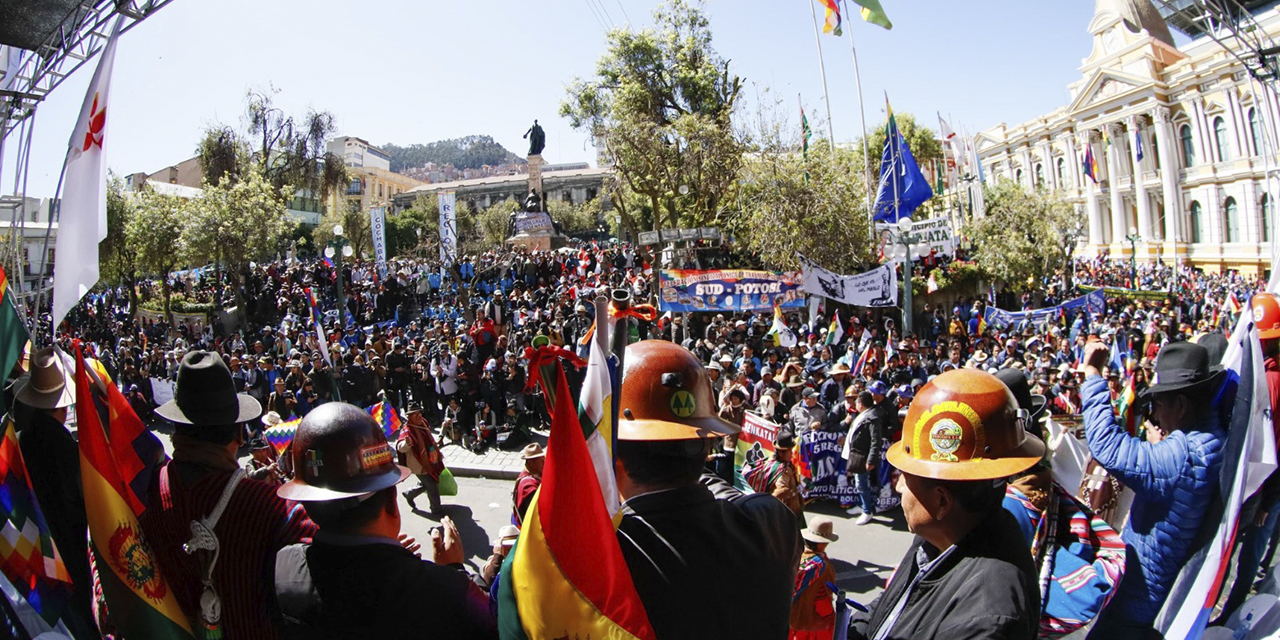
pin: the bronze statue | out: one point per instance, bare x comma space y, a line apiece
537, 139
533, 202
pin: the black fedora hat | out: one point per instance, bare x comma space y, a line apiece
205, 394
1184, 367
1033, 403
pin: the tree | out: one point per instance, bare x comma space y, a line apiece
356, 228
824, 217
412, 230
235, 223
286, 152
117, 258
1023, 237
922, 141
575, 219
155, 232
662, 100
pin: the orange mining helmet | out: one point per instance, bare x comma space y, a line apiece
965, 425
666, 395
1266, 315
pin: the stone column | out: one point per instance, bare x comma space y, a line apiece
535, 177
1096, 237
1140, 189
1073, 162
1118, 226
1028, 167
1050, 171
1175, 225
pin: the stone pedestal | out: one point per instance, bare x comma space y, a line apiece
535, 176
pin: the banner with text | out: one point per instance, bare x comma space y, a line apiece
728, 291
378, 226
1120, 292
936, 233
822, 465
1091, 303
755, 443
448, 227
527, 222
875, 288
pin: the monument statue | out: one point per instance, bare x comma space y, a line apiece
537, 139
533, 202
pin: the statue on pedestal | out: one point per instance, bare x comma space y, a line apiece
537, 139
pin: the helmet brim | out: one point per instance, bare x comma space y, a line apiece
1023, 457
300, 491
691, 429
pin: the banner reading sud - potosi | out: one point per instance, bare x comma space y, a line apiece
728, 290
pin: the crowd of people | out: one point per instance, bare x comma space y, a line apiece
949, 417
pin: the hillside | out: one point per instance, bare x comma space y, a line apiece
470, 152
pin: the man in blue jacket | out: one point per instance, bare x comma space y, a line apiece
1173, 480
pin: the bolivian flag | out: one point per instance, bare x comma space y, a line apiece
566, 577
779, 335
140, 601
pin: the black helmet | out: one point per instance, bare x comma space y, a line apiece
340, 452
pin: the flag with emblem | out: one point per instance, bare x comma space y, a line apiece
317, 323
779, 335
29, 559
13, 332
566, 577
141, 603
596, 413
82, 218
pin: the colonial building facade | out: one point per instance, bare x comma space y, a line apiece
1180, 140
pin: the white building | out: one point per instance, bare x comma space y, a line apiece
25, 227
1198, 193
356, 152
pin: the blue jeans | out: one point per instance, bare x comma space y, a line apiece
864, 492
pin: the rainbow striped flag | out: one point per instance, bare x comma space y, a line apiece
281, 435
566, 576
388, 417
833, 19
13, 332
29, 559
141, 602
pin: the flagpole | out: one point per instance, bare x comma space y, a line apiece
862, 114
822, 66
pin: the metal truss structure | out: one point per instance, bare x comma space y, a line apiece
54, 38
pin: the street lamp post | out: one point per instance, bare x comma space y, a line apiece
905, 249
1133, 239
338, 249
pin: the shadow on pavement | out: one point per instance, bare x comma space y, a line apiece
860, 577
475, 541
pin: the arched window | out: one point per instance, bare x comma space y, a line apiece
1039, 175
1188, 146
1230, 221
1017, 177
1264, 225
1062, 171
1220, 139
1255, 132
1195, 222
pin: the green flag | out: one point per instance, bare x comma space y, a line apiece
873, 13
13, 332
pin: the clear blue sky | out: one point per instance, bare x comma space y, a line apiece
409, 71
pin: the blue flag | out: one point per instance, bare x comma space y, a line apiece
902, 187
1137, 137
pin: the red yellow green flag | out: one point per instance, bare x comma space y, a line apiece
140, 601
566, 577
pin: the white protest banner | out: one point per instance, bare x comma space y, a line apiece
875, 288
161, 390
448, 227
935, 233
378, 227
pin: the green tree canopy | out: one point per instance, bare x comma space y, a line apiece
662, 100
1024, 235
155, 231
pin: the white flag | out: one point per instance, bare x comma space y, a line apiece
955, 142
82, 221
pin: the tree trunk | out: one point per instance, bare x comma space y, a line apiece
167, 291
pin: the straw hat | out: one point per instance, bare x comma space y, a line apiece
49, 386
820, 530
